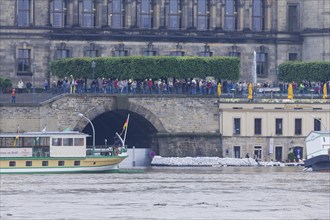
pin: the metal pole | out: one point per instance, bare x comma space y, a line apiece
34, 66
133, 162
81, 115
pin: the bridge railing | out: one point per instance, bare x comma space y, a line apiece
269, 93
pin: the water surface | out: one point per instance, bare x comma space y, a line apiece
169, 193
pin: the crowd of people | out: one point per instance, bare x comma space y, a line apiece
194, 86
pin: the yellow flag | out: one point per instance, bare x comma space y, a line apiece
325, 92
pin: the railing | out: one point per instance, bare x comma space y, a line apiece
259, 93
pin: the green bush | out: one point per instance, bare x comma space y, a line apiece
142, 67
299, 71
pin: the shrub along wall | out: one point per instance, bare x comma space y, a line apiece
141, 67
299, 71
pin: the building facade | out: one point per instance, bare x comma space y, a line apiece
270, 130
35, 32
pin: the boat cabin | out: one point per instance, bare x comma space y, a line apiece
317, 143
43, 144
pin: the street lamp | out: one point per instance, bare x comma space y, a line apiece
83, 116
316, 118
34, 67
93, 67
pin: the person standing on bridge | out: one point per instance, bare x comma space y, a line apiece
13, 95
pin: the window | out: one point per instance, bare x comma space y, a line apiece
237, 126
257, 152
24, 11
207, 52
61, 163
67, 141
149, 51
88, 13
91, 53
28, 163
174, 14
79, 142
257, 126
237, 152
293, 19
231, 13
24, 61
293, 56
317, 124
202, 15
120, 51
258, 15
56, 141
262, 66
234, 51
278, 126
116, 9
44, 163
62, 53
298, 126
58, 13
145, 14
77, 163
177, 53
12, 163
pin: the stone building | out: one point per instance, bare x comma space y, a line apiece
35, 32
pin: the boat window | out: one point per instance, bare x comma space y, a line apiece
28, 141
12, 163
79, 142
61, 163
40, 141
7, 142
28, 163
57, 141
67, 141
77, 162
44, 163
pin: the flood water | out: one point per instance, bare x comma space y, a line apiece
169, 193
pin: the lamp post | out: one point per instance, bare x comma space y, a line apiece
93, 67
316, 118
83, 116
34, 66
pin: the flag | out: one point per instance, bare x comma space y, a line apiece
125, 125
44, 130
17, 130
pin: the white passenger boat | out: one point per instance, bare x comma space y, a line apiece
56, 152
318, 151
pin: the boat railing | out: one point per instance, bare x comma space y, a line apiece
111, 150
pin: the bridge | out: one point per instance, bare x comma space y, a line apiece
170, 125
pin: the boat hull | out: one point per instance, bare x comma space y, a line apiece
318, 163
87, 165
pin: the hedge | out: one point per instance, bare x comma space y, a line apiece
142, 67
310, 71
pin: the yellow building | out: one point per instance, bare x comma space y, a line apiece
270, 130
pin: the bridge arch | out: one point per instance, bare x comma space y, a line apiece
109, 119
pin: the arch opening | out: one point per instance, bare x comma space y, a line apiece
140, 132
